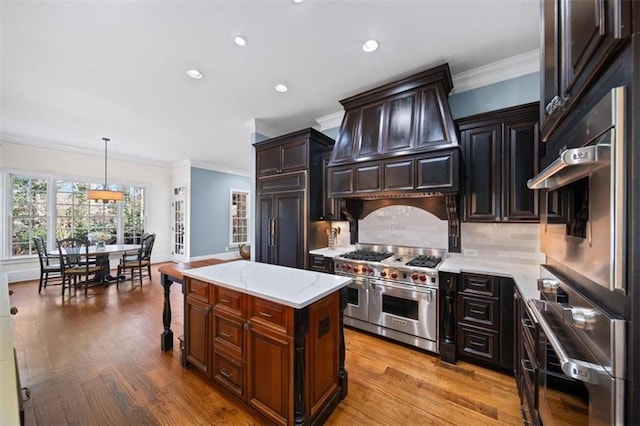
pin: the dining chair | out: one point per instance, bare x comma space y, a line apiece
76, 263
48, 267
137, 260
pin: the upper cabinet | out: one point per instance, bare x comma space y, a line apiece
577, 39
501, 152
405, 117
282, 157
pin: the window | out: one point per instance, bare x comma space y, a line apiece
239, 217
133, 206
29, 213
32, 198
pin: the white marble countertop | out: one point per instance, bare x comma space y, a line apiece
327, 252
525, 277
9, 411
289, 286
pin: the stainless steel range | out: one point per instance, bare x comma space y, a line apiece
394, 292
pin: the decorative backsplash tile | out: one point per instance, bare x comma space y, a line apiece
517, 243
507, 242
403, 226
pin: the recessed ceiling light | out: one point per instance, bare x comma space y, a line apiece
370, 46
240, 41
298, 1
194, 74
281, 88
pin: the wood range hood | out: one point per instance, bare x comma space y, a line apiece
399, 142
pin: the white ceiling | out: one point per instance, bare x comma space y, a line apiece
75, 71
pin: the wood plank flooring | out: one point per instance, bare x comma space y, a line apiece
96, 360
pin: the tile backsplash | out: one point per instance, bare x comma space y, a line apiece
403, 226
399, 225
517, 243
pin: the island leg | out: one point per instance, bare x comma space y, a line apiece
166, 338
302, 327
343, 375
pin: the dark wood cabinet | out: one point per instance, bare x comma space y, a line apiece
290, 184
281, 217
485, 320
500, 151
319, 263
197, 330
577, 39
282, 158
429, 172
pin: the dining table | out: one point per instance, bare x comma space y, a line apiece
102, 255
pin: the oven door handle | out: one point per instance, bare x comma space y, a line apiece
584, 371
373, 282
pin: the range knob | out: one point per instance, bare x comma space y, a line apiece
423, 277
343, 266
394, 275
383, 274
369, 270
348, 267
414, 276
356, 269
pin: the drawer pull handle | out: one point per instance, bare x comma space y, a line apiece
266, 314
225, 300
225, 374
225, 334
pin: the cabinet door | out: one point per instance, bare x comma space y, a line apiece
269, 373
368, 178
371, 131
345, 144
550, 57
329, 205
398, 175
340, 181
198, 332
293, 156
400, 127
438, 172
481, 147
264, 221
288, 230
520, 163
267, 161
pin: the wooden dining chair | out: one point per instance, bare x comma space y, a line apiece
76, 263
50, 268
137, 260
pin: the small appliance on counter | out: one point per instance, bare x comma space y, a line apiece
332, 234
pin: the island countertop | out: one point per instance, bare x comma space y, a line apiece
292, 287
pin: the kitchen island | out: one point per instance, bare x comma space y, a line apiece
272, 336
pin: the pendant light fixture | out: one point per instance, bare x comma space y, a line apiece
105, 195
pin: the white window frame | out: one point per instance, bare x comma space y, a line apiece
247, 216
6, 251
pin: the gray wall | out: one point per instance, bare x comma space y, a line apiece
507, 93
210, 193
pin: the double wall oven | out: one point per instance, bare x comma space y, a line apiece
394, 292
577, 359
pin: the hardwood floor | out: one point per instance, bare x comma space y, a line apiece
96, 360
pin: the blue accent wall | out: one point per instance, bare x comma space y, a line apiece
210, 205
507, 93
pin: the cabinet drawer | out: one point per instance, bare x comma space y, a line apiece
229, 373
272, 313
479, 311
289, 182
479, 344
228, 331
482, 285
231, 301
320, 263
198, 290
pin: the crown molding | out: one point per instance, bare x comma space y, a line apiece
71, 149
506, 69
330, 121
256, 125
219, 168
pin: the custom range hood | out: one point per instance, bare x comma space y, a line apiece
398, 144
398, 141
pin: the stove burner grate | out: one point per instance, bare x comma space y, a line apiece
367, 255
425, 261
